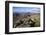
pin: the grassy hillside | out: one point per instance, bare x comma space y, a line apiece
26, 21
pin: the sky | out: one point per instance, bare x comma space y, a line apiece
26, 9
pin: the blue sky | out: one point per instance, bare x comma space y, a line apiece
26, 9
